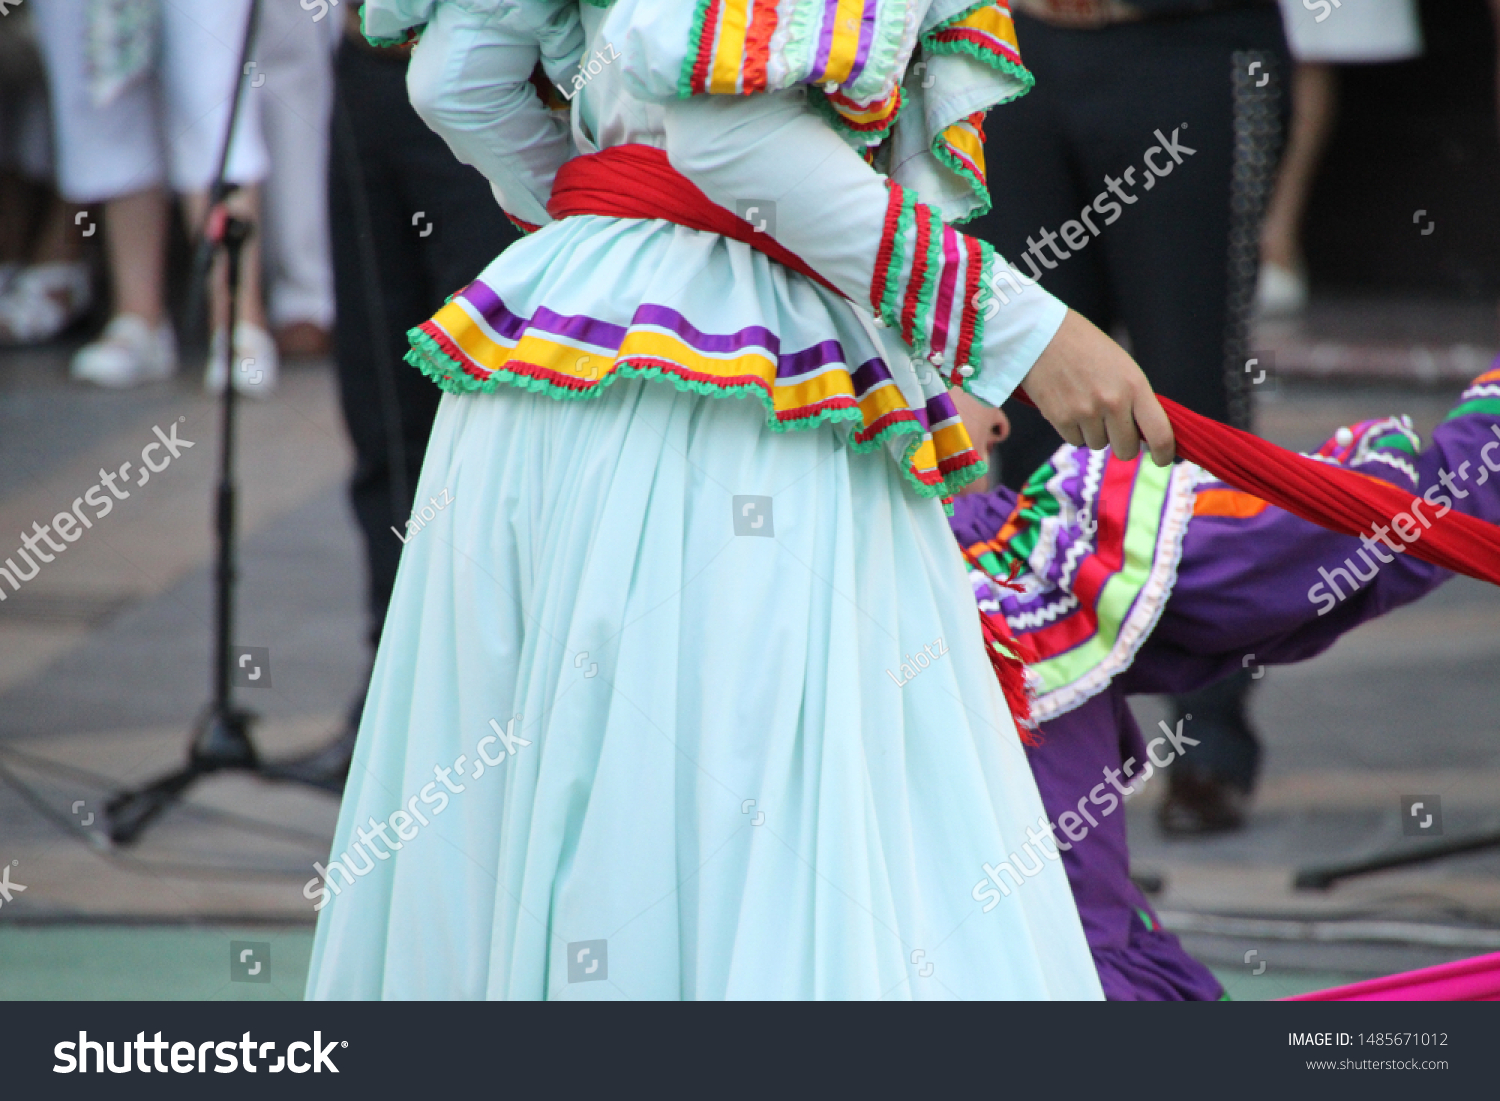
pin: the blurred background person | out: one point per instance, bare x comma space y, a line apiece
141, 93
1495, 12
1320, 37
45, 283
1152, 106
411, 226
296, 102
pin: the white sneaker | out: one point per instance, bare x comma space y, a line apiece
43, 301
1280, 291
128, 353
257, 363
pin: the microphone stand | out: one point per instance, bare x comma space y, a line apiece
221, 735
221, 738
1322, 878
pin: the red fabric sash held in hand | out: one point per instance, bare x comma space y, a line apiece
637, 181
1332, 497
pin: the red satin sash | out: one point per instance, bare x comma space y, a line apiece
637, 181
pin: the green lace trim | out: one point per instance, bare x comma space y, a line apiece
937, 47
448, 373
411, 35
921, 325
976, 349
1485, 407
986, 262
818, 100
1019, 73
980, 189
881, 72
1396, 442
1041, 504
802, 38
695, 45
890, 301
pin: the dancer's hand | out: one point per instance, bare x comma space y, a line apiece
1096, 396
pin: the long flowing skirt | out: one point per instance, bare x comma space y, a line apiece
672, 705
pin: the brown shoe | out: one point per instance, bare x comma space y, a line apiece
302, 340
1198, 804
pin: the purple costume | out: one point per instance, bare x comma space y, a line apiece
1136, 580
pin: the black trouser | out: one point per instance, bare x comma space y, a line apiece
1160, 270
1175, 267
410, 226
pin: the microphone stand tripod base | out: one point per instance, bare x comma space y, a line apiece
222, 742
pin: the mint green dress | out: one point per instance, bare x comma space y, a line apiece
638, 725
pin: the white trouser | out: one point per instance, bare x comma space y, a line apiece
295, 103
165, 128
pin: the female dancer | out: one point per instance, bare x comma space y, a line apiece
630, 732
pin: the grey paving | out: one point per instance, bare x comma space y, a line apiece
300, 594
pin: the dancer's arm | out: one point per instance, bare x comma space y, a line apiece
925, 280
1258, 583
470, 80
